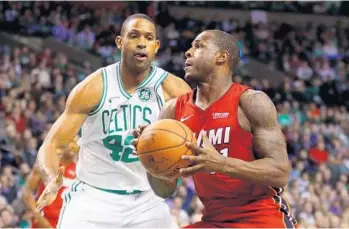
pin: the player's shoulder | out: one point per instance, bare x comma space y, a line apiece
173, 79
175, 86
86, 95
91, 85
258, 107
108, 67
251, 97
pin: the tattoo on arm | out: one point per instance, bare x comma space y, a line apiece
272, 166
268, 139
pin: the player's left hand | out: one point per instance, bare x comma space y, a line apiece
207, 159
136, 134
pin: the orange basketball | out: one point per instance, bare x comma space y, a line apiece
161, 146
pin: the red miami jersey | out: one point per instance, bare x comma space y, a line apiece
51, 212
225, 199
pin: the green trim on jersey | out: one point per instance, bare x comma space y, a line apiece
120, 84
104, 93
149, 77
67, 199
143, 83
119, 192
156, 87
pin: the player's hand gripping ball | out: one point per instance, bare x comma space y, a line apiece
161, 145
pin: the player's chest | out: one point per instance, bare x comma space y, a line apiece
219, 120
125, 115
217, 125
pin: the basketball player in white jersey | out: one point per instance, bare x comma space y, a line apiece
112, 188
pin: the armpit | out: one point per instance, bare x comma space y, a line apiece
243, 121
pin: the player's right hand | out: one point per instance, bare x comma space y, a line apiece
50, 192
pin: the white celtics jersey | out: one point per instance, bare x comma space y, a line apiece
105, 159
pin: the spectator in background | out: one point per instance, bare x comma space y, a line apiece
314, 118
86, 38
304, 72
319, 154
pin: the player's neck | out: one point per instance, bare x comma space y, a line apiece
131, 79
209, 92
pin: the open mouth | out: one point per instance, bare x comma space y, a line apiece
188, 65
141, 56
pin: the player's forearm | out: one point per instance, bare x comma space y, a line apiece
48, 158
41, 221
266, 171
29, 201
162, 188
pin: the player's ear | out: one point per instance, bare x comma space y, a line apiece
157, 46
118, 42
221, 57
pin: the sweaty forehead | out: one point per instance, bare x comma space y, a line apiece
140, 24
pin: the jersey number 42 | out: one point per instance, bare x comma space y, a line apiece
121, 148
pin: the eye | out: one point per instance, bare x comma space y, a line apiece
132, 35
150, 38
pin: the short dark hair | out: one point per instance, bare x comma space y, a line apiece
135, 16
229, 43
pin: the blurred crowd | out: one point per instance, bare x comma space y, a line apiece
318, 7
311, 100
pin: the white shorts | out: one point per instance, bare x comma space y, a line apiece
88, 207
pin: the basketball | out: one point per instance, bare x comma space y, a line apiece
161, 146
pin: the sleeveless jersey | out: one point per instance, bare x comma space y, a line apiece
218, 192
51, 212
106, 159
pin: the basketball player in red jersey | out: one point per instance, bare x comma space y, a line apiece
49, 218
241, 163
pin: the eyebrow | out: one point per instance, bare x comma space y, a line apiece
195, 41
138, 31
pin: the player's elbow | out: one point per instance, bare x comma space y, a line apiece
164, 195
47, 150
162, 188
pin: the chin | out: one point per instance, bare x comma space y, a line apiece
189, 77
142, 66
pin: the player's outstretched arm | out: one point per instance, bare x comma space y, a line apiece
164, 188
81, 101
31, 186
272, 167
174, 86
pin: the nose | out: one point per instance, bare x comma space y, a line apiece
141, 43
188, 53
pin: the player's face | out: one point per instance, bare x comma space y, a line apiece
138, 44
200, 58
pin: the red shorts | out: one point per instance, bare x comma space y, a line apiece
266, 213
263, 222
